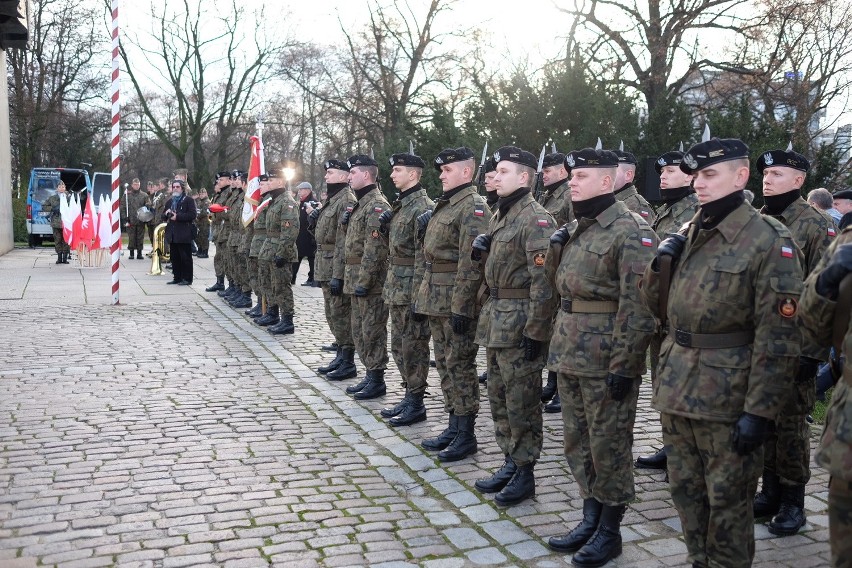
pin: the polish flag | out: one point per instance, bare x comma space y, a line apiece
66, 213
104, 234
76, 220
88, 225
252, 196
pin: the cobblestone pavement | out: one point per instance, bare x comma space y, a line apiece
169, 431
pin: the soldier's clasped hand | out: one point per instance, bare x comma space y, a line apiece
841, 264
344, 219
335, 286
422, 222
561, 236
532, 348
749, 433
385, 217
618, 386
416, 316
481, 244
459, 323
672, 246
279, 261
360, 291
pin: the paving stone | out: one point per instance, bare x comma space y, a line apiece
465, 538
486, 556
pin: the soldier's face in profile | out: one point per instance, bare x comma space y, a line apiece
489, 181
718, 180
624, 174
843, 205
552, 174
673, 176
509, 178
455, 174
590, 182
402, 177
265, 187
333, 175
778, 180
358, 178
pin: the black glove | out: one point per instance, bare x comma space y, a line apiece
481, 244
561, 236
831, 276
672, 246
335, 286
532, 348
314, 214
279, 261
416, 316
460, 323
344, 218
422, 222
385, 217
618, 386
360, 291
749, 433
807, 369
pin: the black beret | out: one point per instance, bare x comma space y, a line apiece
554, 159
787, 159
236, 174
490, 164
361, 160
712, 152
673, 158
407, 160
625, 157
335, 164
222, 174
516, 155
263, 177
842, 194
450, 155
591, 158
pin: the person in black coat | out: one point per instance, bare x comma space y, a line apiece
306, 244
180, 232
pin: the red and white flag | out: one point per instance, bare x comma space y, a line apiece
66, 213
75, 220
104, 229
252, 197
88, 225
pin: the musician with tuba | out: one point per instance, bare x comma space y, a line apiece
134, 202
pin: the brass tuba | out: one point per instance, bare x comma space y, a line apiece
157, 255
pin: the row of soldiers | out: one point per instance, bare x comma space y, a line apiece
577, 282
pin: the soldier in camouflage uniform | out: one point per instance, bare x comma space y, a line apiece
825, 308
246, 267
680, 207
330, 236
600, 336
515, 323
235, 232
625, 191
365, 254
222, 191
727, 365
52, 205
260, 277
133, 200
787, 454
491, 199
282, 229
448, 295
202, 239
409, 331
557, 200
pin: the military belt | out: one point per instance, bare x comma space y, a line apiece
402, 261
325, 247
713, 340
442, 266
589, 306
353, 260
510, 293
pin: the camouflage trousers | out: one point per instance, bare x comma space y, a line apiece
370, 330
135, 236
410, 348
202, 239
245, 270
59, 244
234, 263
787, 450
338, 314
654, 351
282, 289
455, 359
712, 489
840, 521
219, 260
514, 391
251, 269
598, 435
264, 279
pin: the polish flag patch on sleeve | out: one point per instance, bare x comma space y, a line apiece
543, 222
378, 209
478, 213
831, 232
647, 242
644, 213
786, 252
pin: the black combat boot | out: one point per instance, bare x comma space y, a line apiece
656, 461
391, 411
464, 443
335, 363
202, 254
58, 258
333, 347
768, 499
519, 488
500, 478
269, 318
219, 285
235, 293
243, 301
579, 535
483, 378
132, 252
412, 414
443, 439
223, 293
65, 256
605, 544
791, 514
284, 327
555, 405
346, 369
362, 384
550, 388
375, 388
256, 310
139, 255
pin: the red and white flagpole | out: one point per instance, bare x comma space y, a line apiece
115, 245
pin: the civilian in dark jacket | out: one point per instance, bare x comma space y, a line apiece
305, 242
180, 232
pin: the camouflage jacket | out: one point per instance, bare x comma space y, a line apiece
51, 205
325, 233
130, 204
365, 251
220, 220
745, 275
404, 274
675, 216
259, 235
817, 316
158, 203
602, 262
451, 280
636, 203
282, 228
203, 207
558, 202
234, 220
515, 267
246, 236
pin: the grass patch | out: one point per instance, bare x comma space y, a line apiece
820, 407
